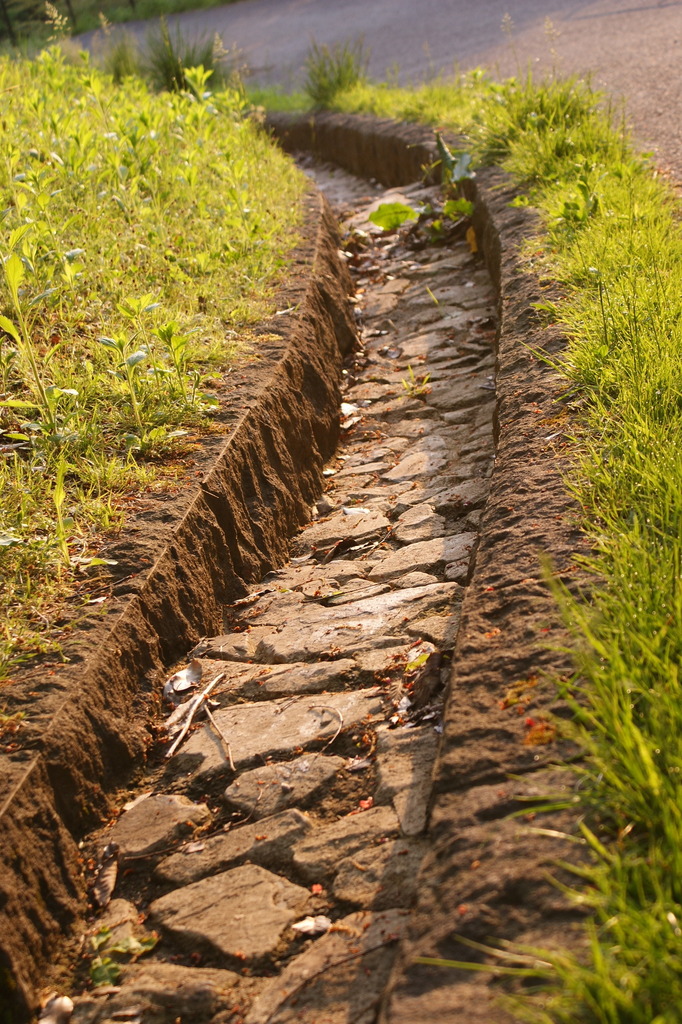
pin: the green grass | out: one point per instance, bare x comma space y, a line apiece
141, 235
611, 237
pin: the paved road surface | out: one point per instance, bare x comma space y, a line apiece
631, 47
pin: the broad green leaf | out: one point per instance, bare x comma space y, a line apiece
454, 208
18, 403
9, 328
17, 235
136, 357
390, 216
14, 271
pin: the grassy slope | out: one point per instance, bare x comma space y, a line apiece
612, 238
141, 235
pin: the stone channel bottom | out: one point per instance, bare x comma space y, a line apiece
306, 795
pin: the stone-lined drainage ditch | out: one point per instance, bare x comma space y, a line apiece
307, 793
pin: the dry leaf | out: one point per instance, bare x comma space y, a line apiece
313, 925
107, 873
182, 681
471, 239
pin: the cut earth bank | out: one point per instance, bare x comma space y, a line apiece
482, 876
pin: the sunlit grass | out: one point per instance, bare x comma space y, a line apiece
141, 235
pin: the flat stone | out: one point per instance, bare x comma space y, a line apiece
342, 987
383, 661
156, 822
381, 877
447, 396
273, 728
230, 646
165, 993
318, 855
268, 843
405, 759
460, 497
264, 791
418, 523
441, 630
268, 682
355, 526
426, 556
320, 631
239, 913
297, 576
415, 579
416, 464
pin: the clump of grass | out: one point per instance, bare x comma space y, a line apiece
140, 233
168, 57
121, 57
612, 238
330, 70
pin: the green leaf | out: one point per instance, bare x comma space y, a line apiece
9, 327
103, 971
14, 271
390, 216
455, 208
18, 403
136, 357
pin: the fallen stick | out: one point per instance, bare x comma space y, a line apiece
223, 737
191, 713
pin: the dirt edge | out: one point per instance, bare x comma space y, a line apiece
485, 877
254, 495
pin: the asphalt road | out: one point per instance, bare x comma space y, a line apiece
632, 49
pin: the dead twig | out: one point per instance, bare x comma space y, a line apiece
223, 737
196, 704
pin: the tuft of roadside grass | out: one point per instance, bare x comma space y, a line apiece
141, 235
611, 236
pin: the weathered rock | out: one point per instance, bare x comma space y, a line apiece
264, 791
426, 556
165, 993
439, 629
240, 913
231, 646
417, 464
121, 918
318, 855
273, 728
268, 682
355, 526
415, 579
156, 822
406, 758
381, 877
347, 968
269, 843
418, 523
320, 631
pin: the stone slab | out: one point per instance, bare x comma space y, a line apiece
268, 682
441, 630
155, 823
274, 787
381, 877
356, 526
268, 843
318, 854
165, 993
347, 970
426, 556
405, 759
418, 523
272, 728
240, 913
